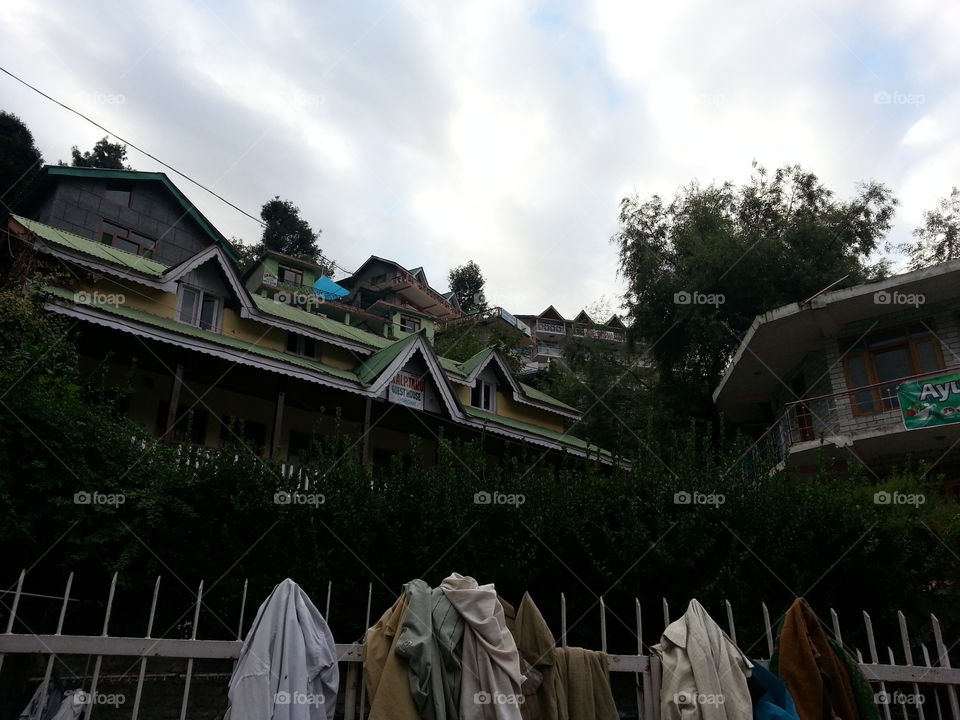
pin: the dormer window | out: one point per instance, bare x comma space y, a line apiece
199, 308
484, 396
301, 345
290, 275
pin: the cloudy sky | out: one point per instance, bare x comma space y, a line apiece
435, 132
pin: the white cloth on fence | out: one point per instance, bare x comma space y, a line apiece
490, 683
704, 673
288, 665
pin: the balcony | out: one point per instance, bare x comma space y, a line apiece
599, 334
424, 298
548, 327
862, 423
483, 316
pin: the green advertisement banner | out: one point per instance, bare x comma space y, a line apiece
930, 402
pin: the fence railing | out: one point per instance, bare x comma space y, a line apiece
931, 681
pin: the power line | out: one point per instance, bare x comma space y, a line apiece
149, 155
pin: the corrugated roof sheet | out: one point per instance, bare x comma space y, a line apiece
318, 322
94, 249
377, 363
562, 438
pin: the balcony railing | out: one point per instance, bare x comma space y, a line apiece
598, 333
549, 327
862, 409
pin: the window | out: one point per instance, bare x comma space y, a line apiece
301, 345
119, 194
409, 323
291, 275
200, 308
483, 396
126, 239
883, 360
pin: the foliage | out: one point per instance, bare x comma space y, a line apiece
288, 233
466, 283
105, 154
938, 240
20, 159
581, 529
700, 268
464, 340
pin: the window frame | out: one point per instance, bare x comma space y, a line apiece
301, 342
198, 307
478, 391
143, 250
417, 323
861, 349
281, 269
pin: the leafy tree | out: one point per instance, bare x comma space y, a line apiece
290, 234
700, 268
19, 158
466, 283
105, 154
938, 240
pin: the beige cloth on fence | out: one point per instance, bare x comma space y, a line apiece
385, 672
490, 686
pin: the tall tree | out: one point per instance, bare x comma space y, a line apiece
105, 154
290, 234
701, 267
19, 158
938, 239
466, 282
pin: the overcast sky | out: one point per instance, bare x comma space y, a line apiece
435, 132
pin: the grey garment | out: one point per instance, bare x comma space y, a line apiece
429, 640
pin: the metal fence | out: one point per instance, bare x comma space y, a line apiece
913, 681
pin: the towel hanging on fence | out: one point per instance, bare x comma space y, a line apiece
287, 668
823, 679
704, 673
490, 686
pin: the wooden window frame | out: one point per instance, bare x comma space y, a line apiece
907, 341
300, 343
281, 269
147, 251
198, 308
478, 391
416, 322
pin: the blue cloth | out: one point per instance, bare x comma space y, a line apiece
771, 699
327, 289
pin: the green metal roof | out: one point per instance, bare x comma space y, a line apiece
450, 365
195, 332
160, 177
318, 322
94, 249
562, 438
474, 361
377, 363
534, 394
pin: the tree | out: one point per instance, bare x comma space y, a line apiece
466, 282
105, 154
700, 268
20, 159
938, 240
290, 234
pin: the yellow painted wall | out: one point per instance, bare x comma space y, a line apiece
252, 331
337, 357
463, 393
132, 295
517, 411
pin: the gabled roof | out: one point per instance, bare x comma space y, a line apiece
212, 254
616, 322
53, 171
552, 314
370, 368
582, 317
